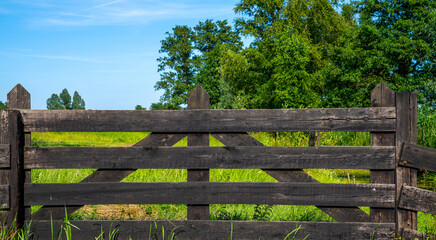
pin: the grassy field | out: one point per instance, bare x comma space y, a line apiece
426, 222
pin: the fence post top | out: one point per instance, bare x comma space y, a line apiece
18, 98
198, 98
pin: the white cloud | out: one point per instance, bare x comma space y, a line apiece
55, 57
123, 12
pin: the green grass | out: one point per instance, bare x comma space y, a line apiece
426, 222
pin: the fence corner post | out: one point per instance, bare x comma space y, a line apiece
406, 105
12, 134
198, 98
19, 98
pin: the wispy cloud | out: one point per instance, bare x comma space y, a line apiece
123, 12
55, 57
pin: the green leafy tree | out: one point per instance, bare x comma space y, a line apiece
55, 103
63, 101
212, 41
139, 107
78, 102
3, 105
66, 99
164, 106
176, 67
192, 57
398, 45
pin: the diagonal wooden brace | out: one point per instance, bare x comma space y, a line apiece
101, 175
349, 214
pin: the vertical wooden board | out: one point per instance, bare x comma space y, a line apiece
19, 98
198, 98
11, 132
382, 96
406, 116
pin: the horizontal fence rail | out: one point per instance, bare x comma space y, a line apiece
382, 119
209, 157
417, 199
345, 195
419, 157
218, 230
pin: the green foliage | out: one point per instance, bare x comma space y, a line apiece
3, 105
54, 102
78, 102
397, 40
139, 107
192, 57
164, 106
63, 101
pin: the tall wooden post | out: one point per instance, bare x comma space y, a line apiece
11, 133
382, 96
19, 98
406, 103
198, 98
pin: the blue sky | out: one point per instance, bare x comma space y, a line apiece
104, 49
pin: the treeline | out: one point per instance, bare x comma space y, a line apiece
303, 53
63, 101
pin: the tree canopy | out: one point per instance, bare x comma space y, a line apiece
304, 53
63, 101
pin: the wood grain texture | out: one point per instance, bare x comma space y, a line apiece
417, 199
351, 214
5, 156
11, 132
210, 157
406, 112
218, 230
198, 98
102, 175
345, 195
4, 196
419, 157
382, 96
202, 121
19, 98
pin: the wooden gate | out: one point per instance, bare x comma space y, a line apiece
392, 158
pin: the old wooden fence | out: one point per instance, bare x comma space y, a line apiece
392, 158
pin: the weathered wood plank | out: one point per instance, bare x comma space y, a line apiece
218, 230
382, 96
198, 98
19, 98
11, 132
417, 199
350, 214
4, 196
5, 156
344, 195
419, 157
406, 132
201, 121
210, 157
102, 175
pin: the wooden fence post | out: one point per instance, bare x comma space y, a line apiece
198, 98
11, 133
382, 96
19, 98
406, 103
